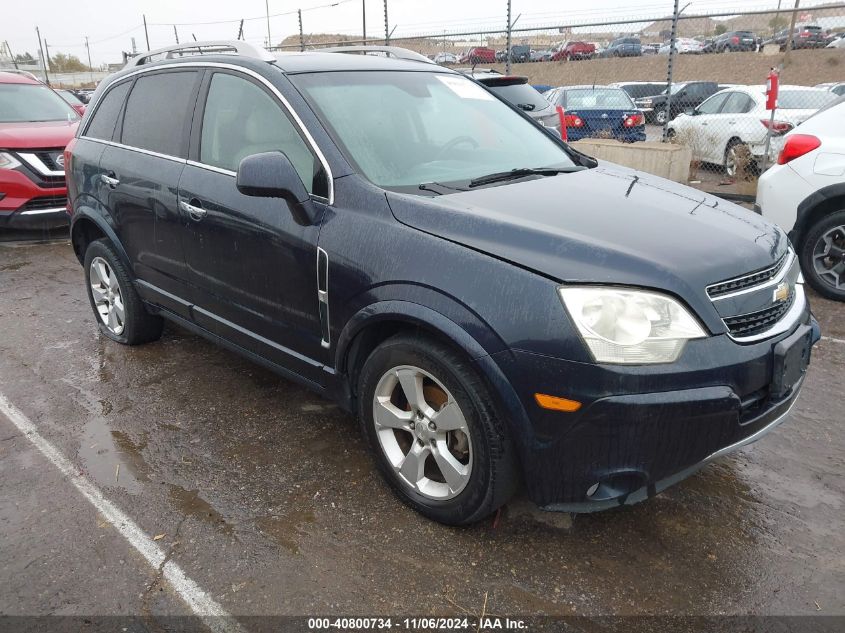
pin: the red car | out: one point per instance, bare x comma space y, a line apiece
478, 55
35, 126
574, 50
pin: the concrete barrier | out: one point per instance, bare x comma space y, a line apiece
661, 159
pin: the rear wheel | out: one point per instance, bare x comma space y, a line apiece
737, 158
660, 117
822, 254
119, 311
426, 415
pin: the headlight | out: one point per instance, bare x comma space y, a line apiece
628, 326
7, 161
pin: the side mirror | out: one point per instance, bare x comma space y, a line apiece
272, 175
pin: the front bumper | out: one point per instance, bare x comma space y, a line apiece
642, 429
24, 204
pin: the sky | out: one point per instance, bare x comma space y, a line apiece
111, 24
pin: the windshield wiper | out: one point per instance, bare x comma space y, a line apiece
521, 172
429, 186
528, 107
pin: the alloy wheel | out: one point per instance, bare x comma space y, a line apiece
423, 432
829, 257
108, 299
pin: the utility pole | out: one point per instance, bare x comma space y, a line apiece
146, 34
791, 35
301, 36
175, 34
386, 28
47, 51
43, 57
11, 55
364, 18
241, 31
90, 67
508, 45
267, 10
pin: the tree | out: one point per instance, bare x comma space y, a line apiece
61, 63
777, 23
26, 58
720, 28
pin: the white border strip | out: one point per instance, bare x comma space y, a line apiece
213, 615
830, 339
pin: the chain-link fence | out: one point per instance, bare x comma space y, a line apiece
672, 75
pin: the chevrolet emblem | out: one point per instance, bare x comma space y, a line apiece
782, 292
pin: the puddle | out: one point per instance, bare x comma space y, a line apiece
189, 503
286, 529
111, 458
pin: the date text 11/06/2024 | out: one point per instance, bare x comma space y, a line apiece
488, 623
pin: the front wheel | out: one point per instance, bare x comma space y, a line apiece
660, 117
427, 417
822, 253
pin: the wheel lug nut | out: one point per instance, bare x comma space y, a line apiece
412, 424
432, 426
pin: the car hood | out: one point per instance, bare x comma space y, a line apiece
608, 224
37, 135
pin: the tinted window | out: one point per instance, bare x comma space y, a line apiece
105, 116
737, 103
521, 95
155, 112
241, 119
597, 99
712, 105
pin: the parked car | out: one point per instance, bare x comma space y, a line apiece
683, 46
497, 308
641, 89
837, 42
35, 125
569, 51
520, 53
478, 55
837, 88
650, 49
732, 125
83, 95
685, 95
517, 91
445, 58
598, 112
805, 194
501, 56
623, 47
803, 36
735, 41
72, 100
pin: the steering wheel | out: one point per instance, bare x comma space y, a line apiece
458, 140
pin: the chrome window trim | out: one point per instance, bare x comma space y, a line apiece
38, 165
219, 170
785, 267
140, 150
238, 69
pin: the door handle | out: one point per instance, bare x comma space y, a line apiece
110, 181
194, 210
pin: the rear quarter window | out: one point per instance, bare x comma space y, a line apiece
105, 116
155, 117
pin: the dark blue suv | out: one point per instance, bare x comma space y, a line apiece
494, 306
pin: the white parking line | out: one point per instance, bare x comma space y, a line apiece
213, 615
830, 339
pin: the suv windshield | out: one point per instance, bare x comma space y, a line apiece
403, 129
24, 103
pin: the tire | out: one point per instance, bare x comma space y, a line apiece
730, 160
660, 117
107, 278
483, 475
810, 249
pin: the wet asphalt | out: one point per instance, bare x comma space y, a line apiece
265, 496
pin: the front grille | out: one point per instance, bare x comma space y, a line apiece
46, 156
45, 202
760, 321
746, 281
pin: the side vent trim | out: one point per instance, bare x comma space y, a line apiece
323, 295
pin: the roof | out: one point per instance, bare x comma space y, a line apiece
16, 78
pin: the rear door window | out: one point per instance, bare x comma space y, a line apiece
105, 116
157, 111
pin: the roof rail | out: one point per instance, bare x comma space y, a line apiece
212, 47
389, 51
18, 71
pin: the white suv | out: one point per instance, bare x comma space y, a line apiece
805, 194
